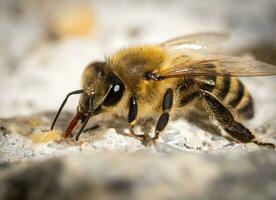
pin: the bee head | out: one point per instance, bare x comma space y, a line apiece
102, 88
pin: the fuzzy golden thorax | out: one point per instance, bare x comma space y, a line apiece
131, 65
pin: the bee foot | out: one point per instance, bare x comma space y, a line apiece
149, 141
142, 138
265, 144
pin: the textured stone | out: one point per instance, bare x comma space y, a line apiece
21, 139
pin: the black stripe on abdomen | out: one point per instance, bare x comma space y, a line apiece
247, 110
237, 96
224, 87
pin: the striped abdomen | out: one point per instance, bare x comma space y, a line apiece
231, 92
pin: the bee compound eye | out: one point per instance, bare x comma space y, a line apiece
115, 94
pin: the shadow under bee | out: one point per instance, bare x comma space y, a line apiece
202, 121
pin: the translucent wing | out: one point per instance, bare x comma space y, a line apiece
215, 65
199, 41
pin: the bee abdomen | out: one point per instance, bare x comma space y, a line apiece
247, 108
232, 93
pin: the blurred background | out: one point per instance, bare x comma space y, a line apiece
45, 44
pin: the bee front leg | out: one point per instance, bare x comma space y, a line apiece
132, 115
229, 123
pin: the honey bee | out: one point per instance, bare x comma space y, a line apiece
165, 80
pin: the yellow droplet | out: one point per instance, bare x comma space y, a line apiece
45, 137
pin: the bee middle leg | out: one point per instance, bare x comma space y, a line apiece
228, 122
164, 118
162, 121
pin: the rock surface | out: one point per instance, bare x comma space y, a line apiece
29, 138
105, 164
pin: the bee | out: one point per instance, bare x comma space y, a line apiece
164, 80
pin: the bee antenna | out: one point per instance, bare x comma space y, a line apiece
62, 105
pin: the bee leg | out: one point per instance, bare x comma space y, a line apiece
92, 128
164, 118
142, 138
132, 115
228, 122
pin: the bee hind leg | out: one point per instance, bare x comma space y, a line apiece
227, 121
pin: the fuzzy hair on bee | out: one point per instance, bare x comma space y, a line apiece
167, 80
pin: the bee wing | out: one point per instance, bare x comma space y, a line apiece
216, 65
197, 41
